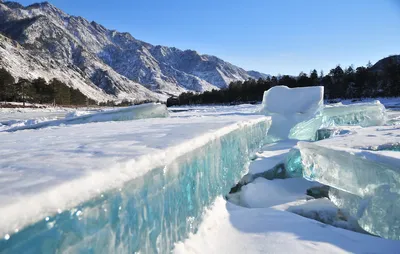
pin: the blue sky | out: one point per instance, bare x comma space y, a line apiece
272, 36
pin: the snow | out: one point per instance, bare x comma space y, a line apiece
271, 155
150, 110
289, 106
113, 179
288, 101
227, 228
57, 168
268, 193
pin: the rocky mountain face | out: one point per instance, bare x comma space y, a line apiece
42, 40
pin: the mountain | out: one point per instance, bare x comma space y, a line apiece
103, 63
380, 65
258, 75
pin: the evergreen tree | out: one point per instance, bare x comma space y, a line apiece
42, 91
25, 91
314, 78
6, 85
62, 94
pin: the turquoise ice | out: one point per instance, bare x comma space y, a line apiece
149, 213
361, 114
367, 184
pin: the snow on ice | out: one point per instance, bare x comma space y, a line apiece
150, 110
366, 164
106, 186
289, 106
83, 178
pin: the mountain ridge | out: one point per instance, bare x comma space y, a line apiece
115, 62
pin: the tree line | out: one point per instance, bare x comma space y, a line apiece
348, 83
39, 91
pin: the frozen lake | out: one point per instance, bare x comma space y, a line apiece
145, 185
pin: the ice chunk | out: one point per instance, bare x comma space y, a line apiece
150, 110
377, 213
325, 133
135, 186
289, 106
361, 114
293, 164
78, 113
371, 177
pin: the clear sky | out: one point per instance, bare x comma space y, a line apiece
272, 36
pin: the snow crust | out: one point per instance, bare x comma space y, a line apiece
289, 106
150, 110
56, 168
228, 228
268, 193
82, 163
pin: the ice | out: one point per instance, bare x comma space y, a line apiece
361, 114
354, 164
293, 164
325, 133
119, 187
290, 106
149, 110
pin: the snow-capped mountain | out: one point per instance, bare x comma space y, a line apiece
52, 43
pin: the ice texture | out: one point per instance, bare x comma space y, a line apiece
360, 114
149, 110
367, 181
290, 106
293, 163
149, 212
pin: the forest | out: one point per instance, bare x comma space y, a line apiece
39, 91
380, 80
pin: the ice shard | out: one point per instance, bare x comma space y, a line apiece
149, 110
136, 186
293, 163
367, 181
360, 114
325, 133
290, 106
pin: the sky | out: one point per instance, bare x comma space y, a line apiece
274, 36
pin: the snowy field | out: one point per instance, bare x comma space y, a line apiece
144, 179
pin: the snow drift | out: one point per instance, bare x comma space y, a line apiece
289, 106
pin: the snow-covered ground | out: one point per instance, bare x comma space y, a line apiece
277, 216
62, 172
228, 228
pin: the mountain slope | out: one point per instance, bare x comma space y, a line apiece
115, 62
380, 65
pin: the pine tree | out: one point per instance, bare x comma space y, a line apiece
314, 77
6, 85
24, 90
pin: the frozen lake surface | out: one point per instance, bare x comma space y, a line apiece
157, 185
